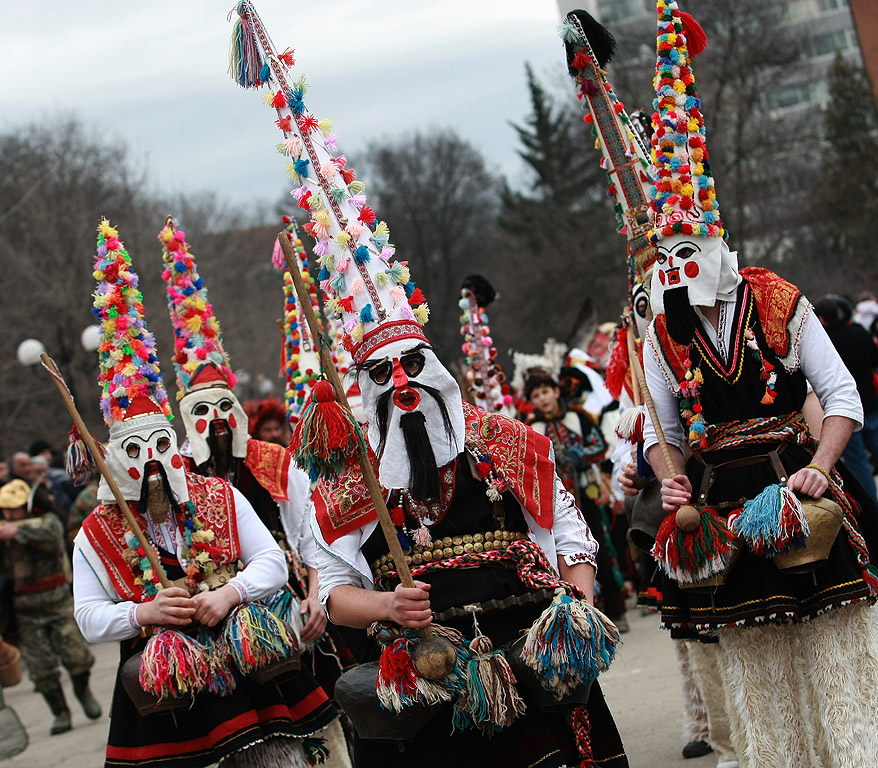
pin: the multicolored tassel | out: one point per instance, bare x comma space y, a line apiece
173, 665
80, 465
773, 522
689, 557
255, 637
327, 437
570, 643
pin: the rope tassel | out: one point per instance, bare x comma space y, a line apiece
489, 699
773, 522
572, 642
692, 556
630, 425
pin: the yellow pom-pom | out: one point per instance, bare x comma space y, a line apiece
357, 333
692, 125
343, 238
325, 126
405, 276
381, 228
268, 98
106, 230
422, 313
290, 171
322, 217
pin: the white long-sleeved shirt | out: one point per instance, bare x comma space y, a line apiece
818, 360
342, 562
104, 617
295, 513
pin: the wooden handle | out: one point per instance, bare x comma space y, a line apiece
305, 308
632, 355
98, 458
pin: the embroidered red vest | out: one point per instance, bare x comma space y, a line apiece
105, 529
521, 456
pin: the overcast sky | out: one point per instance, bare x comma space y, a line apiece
154, 74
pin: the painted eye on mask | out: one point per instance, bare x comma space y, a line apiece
381, 372
412, 364
133, 450
225, 405
202, 409
162, 444
684, 253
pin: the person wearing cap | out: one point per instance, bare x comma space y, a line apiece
211, 546
728, 359
579, 447
35, 556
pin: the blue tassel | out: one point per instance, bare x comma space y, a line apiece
409, 288
323, 274
264, 73
361, 255
366, 314
772, 522
301, 167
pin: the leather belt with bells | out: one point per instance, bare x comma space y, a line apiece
712, 470
219, 578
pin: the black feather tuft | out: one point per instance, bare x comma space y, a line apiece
481, 289
680, 316
602, 42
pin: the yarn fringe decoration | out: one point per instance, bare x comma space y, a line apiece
173, 665
255, 637
571, 643
79, 462
772, 522
693, 556
327, 437
316, 751
245, 59
631, 423
399, 685
222, 680
489, 699
285, 605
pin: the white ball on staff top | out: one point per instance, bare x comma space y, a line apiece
29, 351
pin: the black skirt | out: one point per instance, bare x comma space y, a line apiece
213, 727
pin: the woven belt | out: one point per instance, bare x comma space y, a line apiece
712, 470
42, 584
450, 546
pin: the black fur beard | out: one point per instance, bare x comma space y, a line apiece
220, 452
143, 501
424, 478
680, 315
384, 404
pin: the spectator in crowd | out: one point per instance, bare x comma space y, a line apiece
4, 471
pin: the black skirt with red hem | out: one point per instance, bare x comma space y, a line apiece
214, 727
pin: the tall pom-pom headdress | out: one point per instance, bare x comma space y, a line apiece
357, 270
683, 199
130, 378
300, 359
199, 357
624, 156
485, 378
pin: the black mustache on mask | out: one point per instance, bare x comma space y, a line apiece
383, 411
424, 478
680, 315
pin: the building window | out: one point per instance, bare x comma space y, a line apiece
789, 96
830, 5
829, 42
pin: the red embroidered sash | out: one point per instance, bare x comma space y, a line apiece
105, 529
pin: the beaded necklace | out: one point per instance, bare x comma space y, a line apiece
199, 559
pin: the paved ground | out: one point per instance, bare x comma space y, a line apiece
642, 690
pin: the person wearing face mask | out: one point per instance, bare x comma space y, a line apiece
728, 359
201, 528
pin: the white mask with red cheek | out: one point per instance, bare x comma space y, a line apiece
135, 450
217, 406
703, 265
400, 368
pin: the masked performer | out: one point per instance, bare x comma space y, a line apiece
200, 528
728, 360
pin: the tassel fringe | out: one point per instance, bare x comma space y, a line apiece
570, 643
173, 665
489, 699
689, 557
773, 522
255, 637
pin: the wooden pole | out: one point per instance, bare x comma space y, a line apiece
640, 383
305, 308
98, 458
632, 355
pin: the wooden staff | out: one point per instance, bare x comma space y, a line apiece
687, 517
387, 527
98, 458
